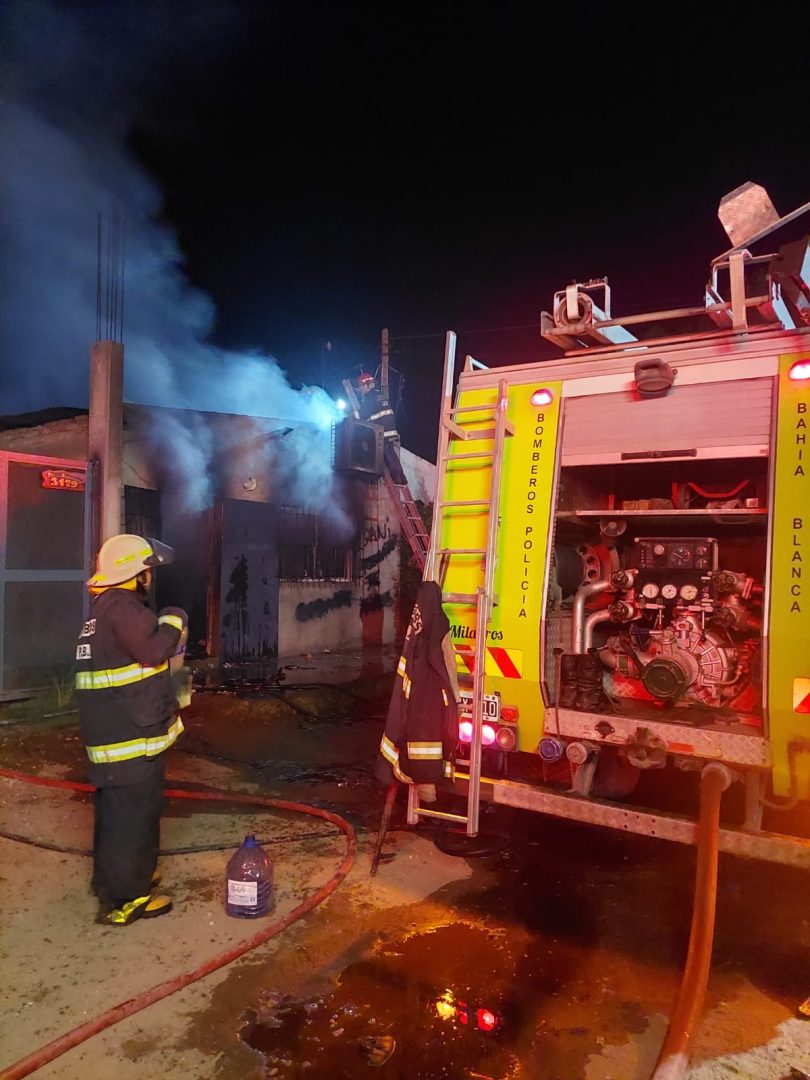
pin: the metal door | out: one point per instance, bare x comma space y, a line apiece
45, 551
249, 582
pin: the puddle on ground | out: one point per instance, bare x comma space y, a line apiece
543, 968
340, 775
461, 1002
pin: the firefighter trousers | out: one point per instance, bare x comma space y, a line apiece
127, 836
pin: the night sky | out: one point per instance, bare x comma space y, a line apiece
330, 169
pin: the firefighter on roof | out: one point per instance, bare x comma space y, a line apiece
128, 718
421, 729
376, 408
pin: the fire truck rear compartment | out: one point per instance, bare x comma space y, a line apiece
676, 621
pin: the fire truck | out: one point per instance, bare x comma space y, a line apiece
622, 540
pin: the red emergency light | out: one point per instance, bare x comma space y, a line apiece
542, 397
800, 371
486, 1020
465, 733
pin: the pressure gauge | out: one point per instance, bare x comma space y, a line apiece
650, 591
669, 591
689, 592
680, 556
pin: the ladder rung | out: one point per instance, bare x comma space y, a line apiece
440, 814
473, 408
472, 453
477, 433
462, 551
464, 598
467, 502
468, 434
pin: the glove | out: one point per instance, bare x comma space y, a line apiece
171, 615
177, 612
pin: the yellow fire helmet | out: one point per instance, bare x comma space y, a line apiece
123, 557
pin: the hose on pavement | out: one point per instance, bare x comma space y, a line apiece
673, 1059
52, 1050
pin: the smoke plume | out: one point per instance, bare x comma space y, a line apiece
66, 163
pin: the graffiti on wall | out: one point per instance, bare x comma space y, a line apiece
368, 562
236, 620
316, 609
374, 600
380, 542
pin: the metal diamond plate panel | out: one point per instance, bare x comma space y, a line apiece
746, 211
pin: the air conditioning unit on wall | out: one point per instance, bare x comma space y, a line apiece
357, 447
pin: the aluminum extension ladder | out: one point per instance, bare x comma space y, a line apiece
455, 427
410, 520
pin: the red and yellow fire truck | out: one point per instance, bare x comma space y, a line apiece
622, 538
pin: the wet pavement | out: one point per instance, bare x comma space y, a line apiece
554, 957
560, 946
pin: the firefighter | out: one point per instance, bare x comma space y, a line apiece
128, 718
376, 408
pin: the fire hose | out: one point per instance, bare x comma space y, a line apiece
52, 1050
673, 1058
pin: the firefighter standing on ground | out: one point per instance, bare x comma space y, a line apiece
128, 717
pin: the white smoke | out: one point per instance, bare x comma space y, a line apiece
58, 176
54, 187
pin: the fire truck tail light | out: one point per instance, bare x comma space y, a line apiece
486, 1021
509, 713
798, 372
542, 397
505, 738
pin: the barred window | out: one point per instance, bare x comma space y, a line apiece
311, 549
142, 512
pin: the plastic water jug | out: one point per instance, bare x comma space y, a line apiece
249, 881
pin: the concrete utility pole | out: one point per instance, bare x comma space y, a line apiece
105, 431
386, 355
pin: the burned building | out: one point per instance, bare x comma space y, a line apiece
282, 550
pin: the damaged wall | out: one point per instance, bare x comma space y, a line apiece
347, 615
257, 615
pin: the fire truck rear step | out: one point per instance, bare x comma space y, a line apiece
750, 844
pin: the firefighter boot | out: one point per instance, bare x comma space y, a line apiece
142, 907
590, 695
156, 879
568, 680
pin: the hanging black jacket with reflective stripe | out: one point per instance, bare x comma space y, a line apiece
421, 728
127, 708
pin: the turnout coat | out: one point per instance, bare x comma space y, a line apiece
421, 729
127, 708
